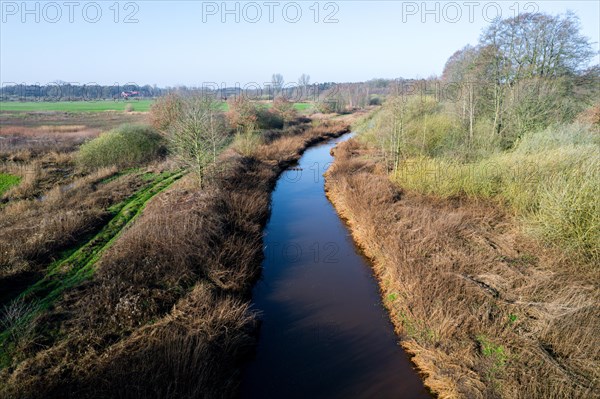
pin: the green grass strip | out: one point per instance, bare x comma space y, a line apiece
7, 181
77, 266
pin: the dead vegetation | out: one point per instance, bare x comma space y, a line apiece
39, 172
55, 205
42, 132
34, 231
485, 310
43, 138
166, 313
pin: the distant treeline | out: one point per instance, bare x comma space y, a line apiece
59, 91
74, 92
62, 91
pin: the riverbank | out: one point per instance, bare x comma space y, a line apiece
166, 313
485, 310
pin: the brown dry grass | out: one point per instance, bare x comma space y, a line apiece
39, 147
39, 173
42, 132
591, 116
166, 314
44, 138
32, 231
485, 311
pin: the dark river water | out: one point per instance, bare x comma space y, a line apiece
324, 332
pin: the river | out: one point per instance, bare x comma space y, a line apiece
324, 331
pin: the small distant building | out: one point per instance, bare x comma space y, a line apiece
128, 94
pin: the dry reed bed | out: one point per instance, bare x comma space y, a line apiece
485, 311
56, 131
39, 172
44, 138
33, 232
166, 314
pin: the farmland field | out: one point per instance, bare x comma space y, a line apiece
94, 106
75, 106
302, 106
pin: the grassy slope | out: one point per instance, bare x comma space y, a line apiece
550, 179
77, 265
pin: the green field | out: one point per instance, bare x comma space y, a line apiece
302, 106
93, 106
75, 106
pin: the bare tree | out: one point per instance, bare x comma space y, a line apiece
198, 135
242, 114
165, 111
277, 84
397, 106
464, 69
539, 48
304, 80
303, 83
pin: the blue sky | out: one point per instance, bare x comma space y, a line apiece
187, 42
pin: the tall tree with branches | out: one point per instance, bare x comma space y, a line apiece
198, 134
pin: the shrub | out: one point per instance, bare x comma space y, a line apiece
590, 115
247, 143
165, 111
375, 100
432, 134
127, 145
569, 211
242, 114
556, 137
284, 108
265, 119
325, 106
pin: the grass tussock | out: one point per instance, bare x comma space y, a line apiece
485, 310
126, 146
166, 313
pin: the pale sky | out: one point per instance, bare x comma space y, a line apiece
193, 42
